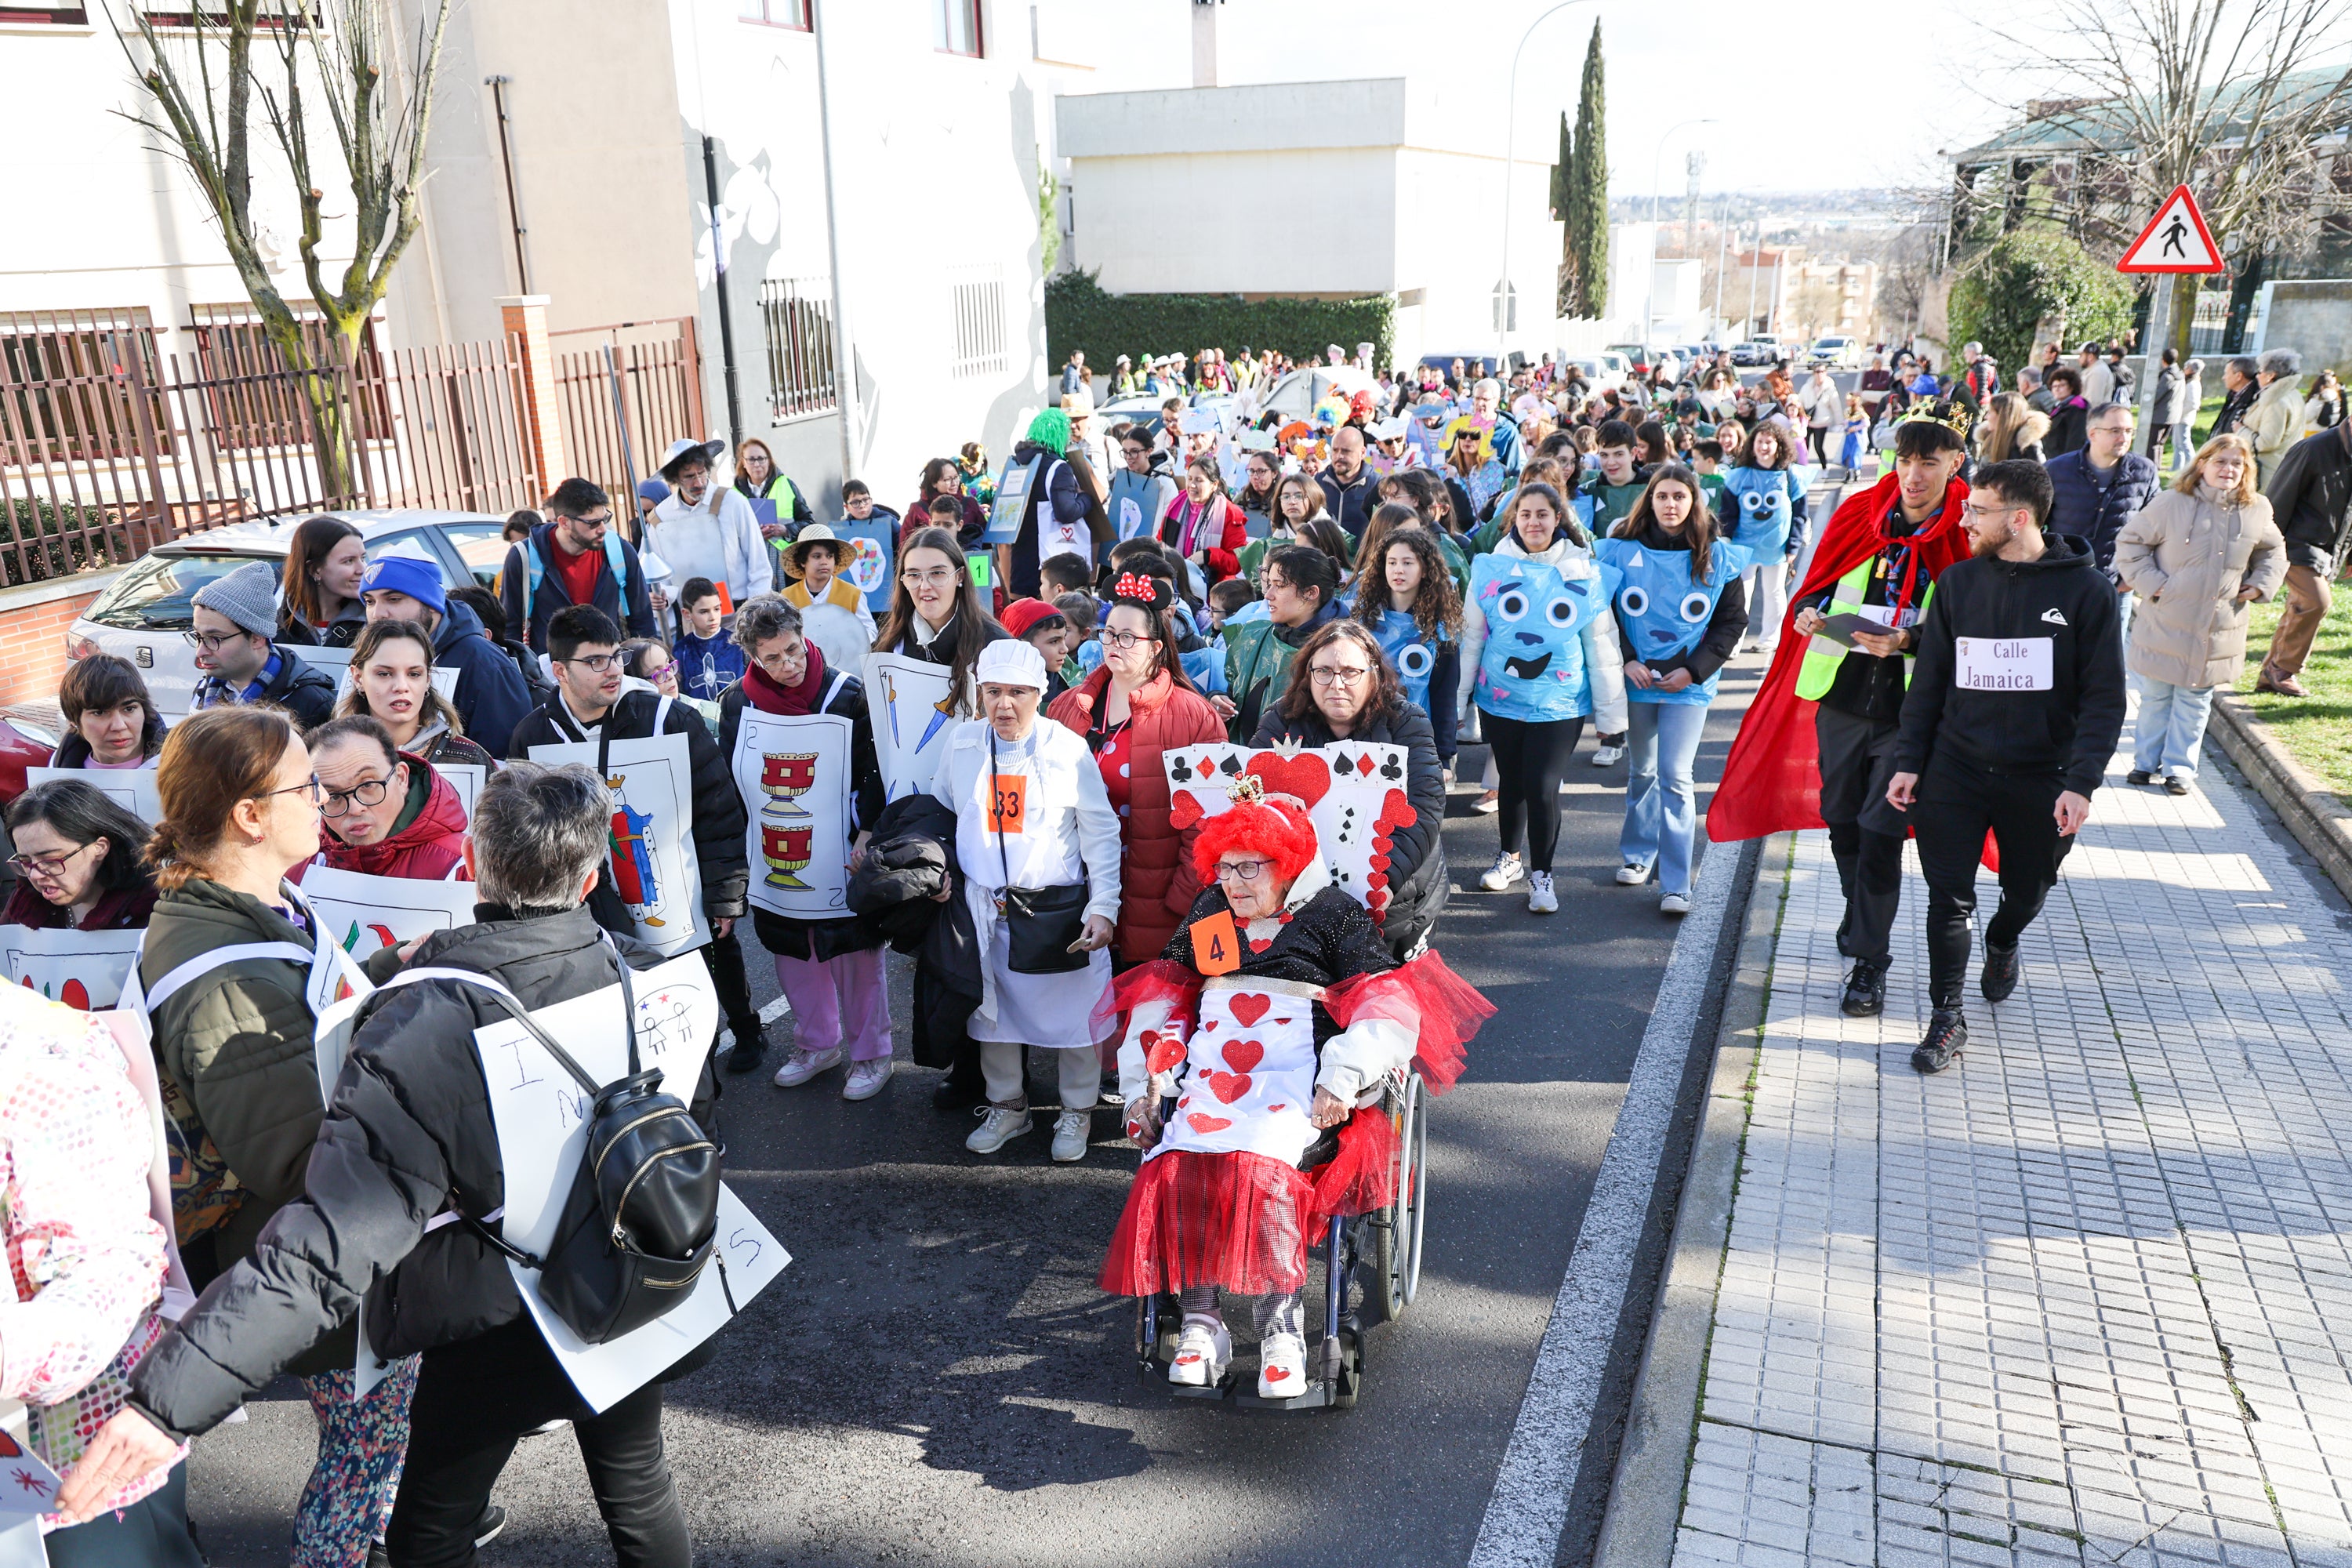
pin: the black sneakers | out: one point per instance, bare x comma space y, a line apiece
1947, 1035
952, 1095
2000, 977
1865, 990
2139, 777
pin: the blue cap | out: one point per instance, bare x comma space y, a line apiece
420, 580
654, 490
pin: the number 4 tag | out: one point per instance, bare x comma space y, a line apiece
1217, 946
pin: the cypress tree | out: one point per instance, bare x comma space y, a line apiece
1562, 173
1587, 234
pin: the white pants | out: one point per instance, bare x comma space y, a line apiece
1081, 1074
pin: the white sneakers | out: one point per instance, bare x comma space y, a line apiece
1204, 1350
1281, 1367
1607, 756
1490, 803
1674, 904
1541, 899
866, 1078
803, 1065
1071, 1129
1501, 874
998, 1126
1632, 874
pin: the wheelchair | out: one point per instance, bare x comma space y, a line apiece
1368, 1267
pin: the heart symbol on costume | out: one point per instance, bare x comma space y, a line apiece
1249, 1007
1277, 1374
1242, 1055
1208, 1124
1229, 1086
1160, 1051
1184, 811
1211, 1023
1184, 1102
1306, 775
1271, 1109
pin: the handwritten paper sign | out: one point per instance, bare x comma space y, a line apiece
794, 773
132, 789
82, 969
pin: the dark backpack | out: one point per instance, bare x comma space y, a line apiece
642, 1218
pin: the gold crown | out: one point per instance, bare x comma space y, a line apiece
1950, 413
1248, 788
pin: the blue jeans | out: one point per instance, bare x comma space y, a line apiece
1660, 747
2171, 726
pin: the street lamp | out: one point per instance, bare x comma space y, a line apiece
1510, 156
1650, 294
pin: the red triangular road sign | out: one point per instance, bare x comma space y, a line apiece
2175, 240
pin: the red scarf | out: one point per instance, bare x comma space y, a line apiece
1771, 780
769, 696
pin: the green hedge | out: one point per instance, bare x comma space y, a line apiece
2005, 294
55, 544
1079, 315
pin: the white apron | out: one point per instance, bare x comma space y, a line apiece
1248, 1082
1039, 849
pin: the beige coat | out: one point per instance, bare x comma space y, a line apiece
2186, 557
2275, 423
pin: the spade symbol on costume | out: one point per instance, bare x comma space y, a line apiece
1232, 765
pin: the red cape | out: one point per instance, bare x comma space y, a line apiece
1772, 780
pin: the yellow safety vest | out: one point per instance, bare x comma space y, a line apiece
1824, 654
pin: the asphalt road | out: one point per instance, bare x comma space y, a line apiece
936, 1378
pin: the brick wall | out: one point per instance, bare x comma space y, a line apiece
33, 647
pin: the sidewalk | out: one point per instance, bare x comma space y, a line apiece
2087, 1298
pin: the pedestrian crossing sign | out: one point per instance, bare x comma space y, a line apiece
2175, 240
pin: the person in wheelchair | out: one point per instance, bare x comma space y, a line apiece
1251, 1061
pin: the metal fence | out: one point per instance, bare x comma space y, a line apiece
108, 446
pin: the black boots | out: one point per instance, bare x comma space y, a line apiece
2000, 977
750, 1049
1948, 1035
1866, 989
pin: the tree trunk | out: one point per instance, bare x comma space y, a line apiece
322, 397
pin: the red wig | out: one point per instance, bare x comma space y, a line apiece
1276, 827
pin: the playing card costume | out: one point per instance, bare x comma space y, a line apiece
1232, 1031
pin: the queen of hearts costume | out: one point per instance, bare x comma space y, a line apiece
1305, 999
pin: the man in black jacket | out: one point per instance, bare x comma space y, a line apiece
1351, 489
409, 1140
2014, 707
233, 617
588, 704
2311, 501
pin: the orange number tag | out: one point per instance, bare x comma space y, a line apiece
1008, 802
1217, 946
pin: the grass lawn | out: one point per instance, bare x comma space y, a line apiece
2208, 411
2317, 729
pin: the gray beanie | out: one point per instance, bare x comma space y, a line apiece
247, 597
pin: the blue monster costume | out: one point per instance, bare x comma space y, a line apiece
1413, 654
1662, 611
1536, 664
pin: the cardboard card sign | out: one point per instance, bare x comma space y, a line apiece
82, 969
912, 705
466, 779
794, 773
445, 680
1012, 499
1354, 791
654, 866
132, 789
367, 914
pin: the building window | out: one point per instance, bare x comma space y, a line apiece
64, 392
793, 14
955, 28
976, 301
802, 376
44, 15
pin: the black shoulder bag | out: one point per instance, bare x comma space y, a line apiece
1041, 923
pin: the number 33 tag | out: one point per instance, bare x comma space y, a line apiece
1217, 946
1008, 802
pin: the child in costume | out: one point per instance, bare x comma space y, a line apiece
833, 613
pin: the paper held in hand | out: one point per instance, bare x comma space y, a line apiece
541, 1111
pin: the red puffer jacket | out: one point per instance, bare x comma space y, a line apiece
426, 850
1157, 883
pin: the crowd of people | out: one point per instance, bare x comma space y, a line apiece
1452, 559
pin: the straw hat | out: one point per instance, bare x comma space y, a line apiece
844, 551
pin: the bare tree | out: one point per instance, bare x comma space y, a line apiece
335, 53
2228, 97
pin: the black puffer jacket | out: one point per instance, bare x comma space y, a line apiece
1417, 875
408, 1134
912, 850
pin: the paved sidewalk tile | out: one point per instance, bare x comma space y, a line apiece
2087, 1298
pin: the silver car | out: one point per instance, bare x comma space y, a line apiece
144, 615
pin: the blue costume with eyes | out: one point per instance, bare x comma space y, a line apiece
1412, 652
1534, 666
1662, 611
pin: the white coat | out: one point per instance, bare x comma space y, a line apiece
690, 539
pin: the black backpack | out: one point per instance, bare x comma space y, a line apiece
642, 1218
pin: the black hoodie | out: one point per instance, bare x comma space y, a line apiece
2066, 726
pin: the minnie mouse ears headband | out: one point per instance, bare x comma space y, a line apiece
1150, 594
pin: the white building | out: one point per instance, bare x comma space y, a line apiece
1382, 186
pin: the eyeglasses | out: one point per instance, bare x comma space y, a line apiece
316, 790
213, 642
590, 521
1242, 871
1125, 640
932, 577
1343, 675
49, 867
596, 663
367, 791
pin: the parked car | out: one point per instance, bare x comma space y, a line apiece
1837, 352
1295, 394
1596, 371
1641, 358
145, 615
1759, 351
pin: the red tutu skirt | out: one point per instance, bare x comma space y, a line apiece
1243, 1221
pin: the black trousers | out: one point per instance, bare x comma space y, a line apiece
1857, 760
723, 956
1530, 758
474, 1402
1956, 805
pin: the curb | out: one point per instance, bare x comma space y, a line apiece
2319, 819
1645, 1496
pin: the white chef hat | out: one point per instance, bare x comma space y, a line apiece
1010, 661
